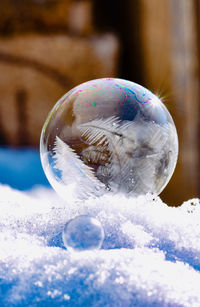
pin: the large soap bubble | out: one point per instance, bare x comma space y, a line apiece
109, 135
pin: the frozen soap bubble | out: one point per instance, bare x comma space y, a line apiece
109, 135
83, 233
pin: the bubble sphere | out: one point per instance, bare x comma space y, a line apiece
109, 135
83, 233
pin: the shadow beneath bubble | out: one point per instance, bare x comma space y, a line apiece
56, 241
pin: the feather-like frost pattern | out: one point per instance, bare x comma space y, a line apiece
74, 170
137, 151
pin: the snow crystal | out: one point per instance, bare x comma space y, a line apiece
150, 255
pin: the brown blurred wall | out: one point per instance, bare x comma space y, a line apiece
46, 48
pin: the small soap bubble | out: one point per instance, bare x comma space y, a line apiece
109, 135
83, 233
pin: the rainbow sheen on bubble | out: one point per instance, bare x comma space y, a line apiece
109, 135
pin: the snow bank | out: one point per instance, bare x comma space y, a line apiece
150, 255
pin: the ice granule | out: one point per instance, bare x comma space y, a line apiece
150, 255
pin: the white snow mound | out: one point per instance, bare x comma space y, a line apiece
150, 255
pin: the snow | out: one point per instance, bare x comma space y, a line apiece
150, 255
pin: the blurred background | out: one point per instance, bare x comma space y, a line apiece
49, 46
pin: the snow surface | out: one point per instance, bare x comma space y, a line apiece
150, 255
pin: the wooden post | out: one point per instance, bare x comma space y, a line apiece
171, 66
